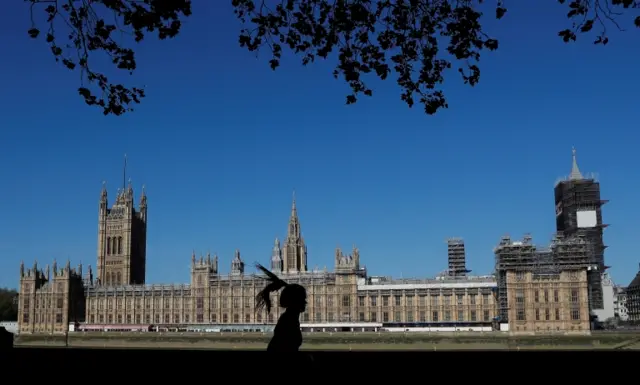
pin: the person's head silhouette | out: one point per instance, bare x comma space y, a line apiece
293, 297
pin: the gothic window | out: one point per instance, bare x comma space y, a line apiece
108, 245
114, 245
119, 245
575, 314
119, 281
574, 296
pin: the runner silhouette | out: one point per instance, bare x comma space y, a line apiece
287, 336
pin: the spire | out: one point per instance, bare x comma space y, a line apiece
103, 192
143, 196
294, 211
294, 223
575, 171
124, 173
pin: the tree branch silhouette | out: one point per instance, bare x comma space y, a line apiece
91, 27
416, 41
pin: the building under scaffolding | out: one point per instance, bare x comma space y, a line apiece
579, 213
457, 257
563, 254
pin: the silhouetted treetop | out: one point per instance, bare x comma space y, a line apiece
8, 305
414, 41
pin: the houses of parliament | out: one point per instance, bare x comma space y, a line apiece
534, 289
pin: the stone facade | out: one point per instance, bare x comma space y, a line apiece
50, 299
118, 294
548, 303
122, 239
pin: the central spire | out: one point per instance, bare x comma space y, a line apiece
294, 252
575, 171
294, 223
294, 212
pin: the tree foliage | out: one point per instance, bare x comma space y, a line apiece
8, 305
416, 41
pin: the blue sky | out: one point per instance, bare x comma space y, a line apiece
221, 141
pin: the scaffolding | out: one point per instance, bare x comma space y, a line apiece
457, 257
573, 253
578, 195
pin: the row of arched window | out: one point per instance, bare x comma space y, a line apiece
114, 245
113, 278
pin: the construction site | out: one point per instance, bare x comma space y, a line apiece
579, 214
457, 258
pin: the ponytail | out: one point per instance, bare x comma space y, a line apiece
263, 298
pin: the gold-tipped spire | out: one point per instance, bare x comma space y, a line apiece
575, 171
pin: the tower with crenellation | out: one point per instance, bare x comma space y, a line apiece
50, 298
122, 238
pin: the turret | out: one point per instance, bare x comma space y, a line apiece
347, 262
237, 266
142, 206
104, 202
88, 278
276, 257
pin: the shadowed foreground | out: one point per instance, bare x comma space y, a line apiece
158, 365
